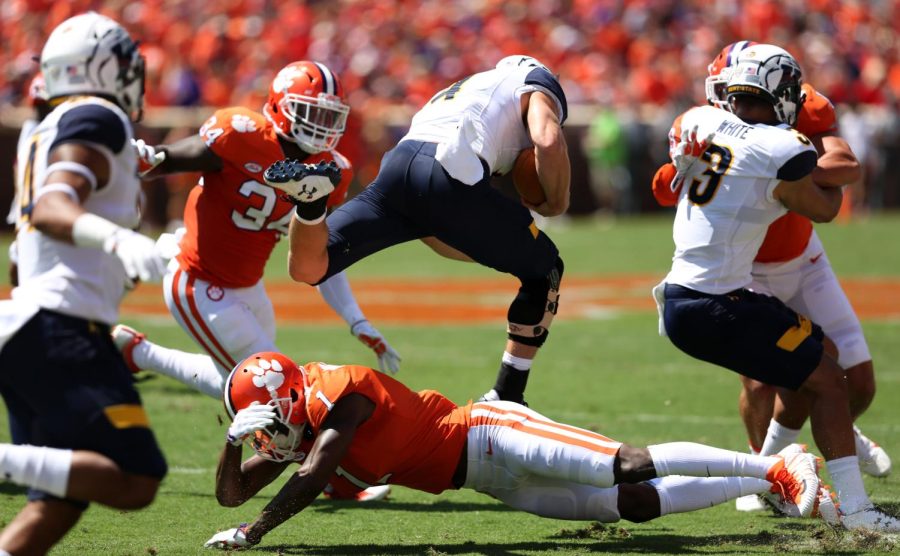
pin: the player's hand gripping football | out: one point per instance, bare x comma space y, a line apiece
147, 155
231, 539
388, 358
686, 153
247, 421
305, 185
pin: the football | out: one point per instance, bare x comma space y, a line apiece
525, 178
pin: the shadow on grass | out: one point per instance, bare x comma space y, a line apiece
12, 489
793, 537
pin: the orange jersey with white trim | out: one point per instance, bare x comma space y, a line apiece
233, 219
787, 237
414, 439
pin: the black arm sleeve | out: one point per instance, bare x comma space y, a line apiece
91, 123
543, 78
798, 167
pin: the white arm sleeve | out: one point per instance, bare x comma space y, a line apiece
337, 293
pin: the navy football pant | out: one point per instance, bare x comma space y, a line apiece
413, 197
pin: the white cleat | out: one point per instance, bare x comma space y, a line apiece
371, 494
126, 338
871, 519
749, 503
827, 506
873, 460
795, 483
375, 493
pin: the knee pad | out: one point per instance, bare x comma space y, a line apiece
533, 309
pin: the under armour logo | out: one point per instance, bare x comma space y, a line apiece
308, 191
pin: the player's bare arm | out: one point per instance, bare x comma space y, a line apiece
308, 254
307, 483
837, 165
551, 154
805, 197
187, 155
237, 482
55, 212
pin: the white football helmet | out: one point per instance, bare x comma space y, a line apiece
771, 73
520, 60
91, 54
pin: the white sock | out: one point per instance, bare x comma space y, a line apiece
37, 467
848, 484
196, 370
697, 460
778, 438
517, 363
685, 494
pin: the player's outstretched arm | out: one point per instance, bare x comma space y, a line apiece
337, 293
837, 165
187, 155
332, 444
551, 154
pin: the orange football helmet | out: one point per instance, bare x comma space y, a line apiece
720, 70
306, 106
271, 378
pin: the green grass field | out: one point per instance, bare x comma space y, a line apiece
614, 375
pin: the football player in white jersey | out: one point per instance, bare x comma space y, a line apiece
60, 373
436, 182
755, 169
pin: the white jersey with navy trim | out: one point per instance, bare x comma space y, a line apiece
479, 118
57, 275
726, 203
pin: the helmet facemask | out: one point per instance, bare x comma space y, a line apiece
130, 79
317, 123
281, 440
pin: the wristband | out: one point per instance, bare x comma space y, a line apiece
90, 230
311, 213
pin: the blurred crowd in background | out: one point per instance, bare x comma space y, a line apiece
632, 64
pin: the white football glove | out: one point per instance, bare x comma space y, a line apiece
230, 539
303, 183
147, 155
252, 418
686, 153
388, 358
143, 258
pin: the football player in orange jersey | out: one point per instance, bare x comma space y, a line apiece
233, 220
372, 429
792, 265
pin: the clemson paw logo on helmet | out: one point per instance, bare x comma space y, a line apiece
285, 78
268, 374
243, 123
